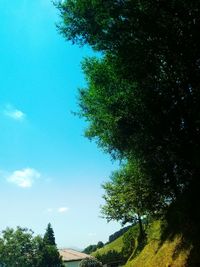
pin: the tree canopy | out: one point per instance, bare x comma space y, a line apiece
129, 196
21, 248
143, 93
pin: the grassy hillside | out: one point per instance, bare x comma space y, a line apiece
157, 253
116, 245
161, 249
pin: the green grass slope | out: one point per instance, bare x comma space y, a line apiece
171, 242
158, 253
116, 245
154, 255
161, 249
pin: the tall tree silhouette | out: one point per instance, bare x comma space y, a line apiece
49, 237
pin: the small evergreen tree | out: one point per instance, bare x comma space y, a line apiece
51, 256
49, 237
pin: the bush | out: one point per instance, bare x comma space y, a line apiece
90, 262
111, 257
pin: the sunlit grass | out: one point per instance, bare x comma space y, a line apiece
116, 245
159, 253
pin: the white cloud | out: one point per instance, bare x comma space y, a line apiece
14, 113
24, 178
63, 209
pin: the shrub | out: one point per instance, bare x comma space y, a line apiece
90, 262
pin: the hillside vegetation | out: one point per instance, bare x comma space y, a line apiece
116, 245
112, 253
119, 250
162, 249
159, 253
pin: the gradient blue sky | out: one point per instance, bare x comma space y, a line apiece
48, 171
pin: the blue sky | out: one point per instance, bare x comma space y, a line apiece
48, 171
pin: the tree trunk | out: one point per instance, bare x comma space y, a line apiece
142, 234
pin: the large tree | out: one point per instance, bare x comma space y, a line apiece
122, 119
142, 97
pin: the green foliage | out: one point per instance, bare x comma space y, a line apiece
116, 245
127, 195
49, 237
104, 104
119, 250
51, 257
130, 241
20, 248
93, 248
100, 244
111, 257
142, 105
90, 262
142, 97
89, 249
118, 234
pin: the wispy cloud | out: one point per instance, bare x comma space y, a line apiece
57, 210
14, 113
23, 178
63, 209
